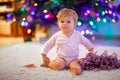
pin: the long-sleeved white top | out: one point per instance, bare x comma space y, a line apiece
66, 46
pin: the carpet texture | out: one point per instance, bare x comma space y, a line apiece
13, 59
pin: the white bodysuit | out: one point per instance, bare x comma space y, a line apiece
67, 47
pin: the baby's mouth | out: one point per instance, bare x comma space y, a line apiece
65, 27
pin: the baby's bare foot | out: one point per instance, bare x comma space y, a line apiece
44, 65
76, 70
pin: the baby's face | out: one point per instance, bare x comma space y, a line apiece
66, 24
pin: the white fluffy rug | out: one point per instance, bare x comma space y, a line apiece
13, 58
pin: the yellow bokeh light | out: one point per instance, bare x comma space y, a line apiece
113, 20
29, 31
24, 19
45, 11
87, 31
96, 4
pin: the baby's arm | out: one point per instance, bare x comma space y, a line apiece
46, 48
49, 45
87, 44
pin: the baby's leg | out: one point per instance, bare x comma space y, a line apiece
75, 67
57, 64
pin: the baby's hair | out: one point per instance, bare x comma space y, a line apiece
67, 12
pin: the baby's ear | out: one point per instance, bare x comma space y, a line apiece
75, 23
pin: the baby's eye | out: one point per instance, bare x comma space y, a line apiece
62, 21
68, 22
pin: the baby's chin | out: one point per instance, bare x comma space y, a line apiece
65, 31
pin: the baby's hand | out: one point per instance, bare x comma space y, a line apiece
46, 61
91, 51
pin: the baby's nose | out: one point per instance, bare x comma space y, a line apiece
64, 23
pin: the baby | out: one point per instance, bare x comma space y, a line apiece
67, 41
